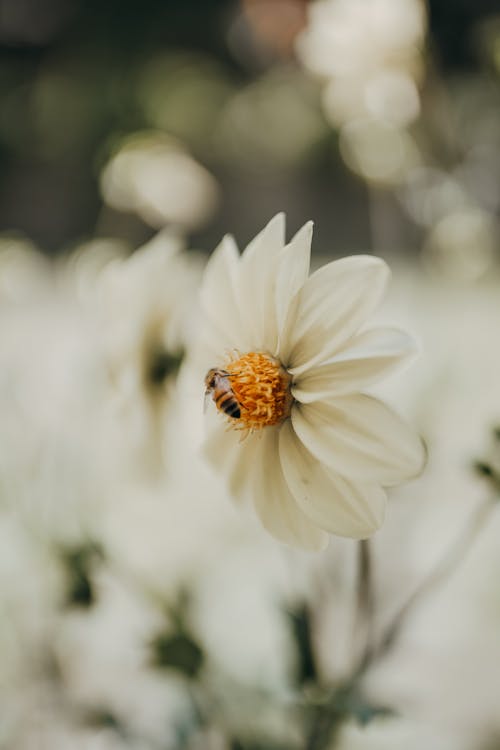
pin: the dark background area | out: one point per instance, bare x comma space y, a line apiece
70, 83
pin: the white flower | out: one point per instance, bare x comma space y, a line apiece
393, 733
317, 452
143, 302
369, 54
141, 307
153, 176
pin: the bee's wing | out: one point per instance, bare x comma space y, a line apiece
206, 399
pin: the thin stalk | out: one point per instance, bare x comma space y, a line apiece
455, 555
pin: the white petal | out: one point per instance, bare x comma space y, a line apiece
269, 240
256, 286
220, 445
360, 438
292, 275
207, 343
219, 299
274, 502
367, 358
334, 303
233, 456
335, 504
240, 475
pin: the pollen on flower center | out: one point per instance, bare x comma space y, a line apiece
262, 388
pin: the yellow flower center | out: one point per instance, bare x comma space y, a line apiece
261, 386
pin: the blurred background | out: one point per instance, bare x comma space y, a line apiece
249, 108
138, 608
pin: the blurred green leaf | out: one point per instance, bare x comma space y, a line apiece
102, 718
300, 620
237, 744
162, 364
179, 652
344, 703
483, 468
80, 562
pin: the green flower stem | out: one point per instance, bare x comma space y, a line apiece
346, 700
365, 606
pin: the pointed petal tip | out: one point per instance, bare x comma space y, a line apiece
228, 239
306, 229
302, 237
278, 220
278, 224
218, 259
226, 244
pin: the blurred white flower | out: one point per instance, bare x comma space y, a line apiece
379, 152
192, 530
370, 54
52, 387
24, 273
106, 663
250, 128
290, 361
463, 244
443, 668
78, 272
32, 588
429, 194
144, 301
153, 176
394, 733
142, 310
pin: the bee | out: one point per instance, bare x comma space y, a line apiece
218, 384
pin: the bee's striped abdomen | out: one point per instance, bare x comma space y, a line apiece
218, 383
228, 404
